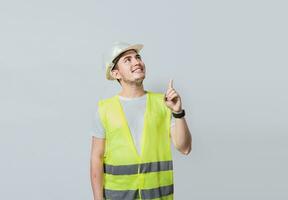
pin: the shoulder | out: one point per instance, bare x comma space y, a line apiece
159, 101
104, 101
156, 95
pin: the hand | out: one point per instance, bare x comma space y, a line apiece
172, 98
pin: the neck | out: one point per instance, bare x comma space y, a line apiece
132, 91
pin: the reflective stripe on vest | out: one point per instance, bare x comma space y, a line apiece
134, 194
121, 194
133, 169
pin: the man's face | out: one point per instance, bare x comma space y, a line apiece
130, 68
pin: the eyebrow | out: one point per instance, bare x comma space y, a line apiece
128, 56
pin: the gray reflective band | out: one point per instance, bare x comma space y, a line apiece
156, 166
157, 192
134, 194
121, 194
133, 169
120, 169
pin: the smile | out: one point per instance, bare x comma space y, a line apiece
138, 70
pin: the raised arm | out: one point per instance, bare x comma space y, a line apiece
181, 136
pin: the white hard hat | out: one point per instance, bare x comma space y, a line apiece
117, 49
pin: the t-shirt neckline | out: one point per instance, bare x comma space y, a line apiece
132, 98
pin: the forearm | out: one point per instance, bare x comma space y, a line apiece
97, 179
183, 136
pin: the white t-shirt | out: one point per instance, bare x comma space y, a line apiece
134, 109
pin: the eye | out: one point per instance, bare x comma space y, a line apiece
127, 59
138, 57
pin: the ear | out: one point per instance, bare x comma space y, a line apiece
115, 73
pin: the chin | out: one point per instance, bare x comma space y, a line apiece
140, 79
140, 76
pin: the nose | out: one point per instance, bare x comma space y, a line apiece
135, 61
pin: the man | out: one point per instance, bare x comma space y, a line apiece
130, 151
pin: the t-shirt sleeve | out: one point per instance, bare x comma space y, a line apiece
97, 128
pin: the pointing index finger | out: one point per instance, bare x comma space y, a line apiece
170, 84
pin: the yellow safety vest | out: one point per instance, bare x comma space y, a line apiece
128, 175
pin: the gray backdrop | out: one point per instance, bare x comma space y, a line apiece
228, 60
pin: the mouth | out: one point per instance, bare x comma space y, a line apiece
138, 70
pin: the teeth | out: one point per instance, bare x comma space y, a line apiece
137, 70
